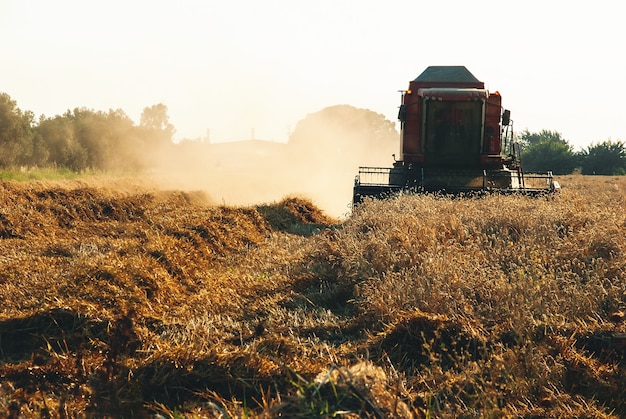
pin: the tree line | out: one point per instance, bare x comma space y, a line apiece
548, 150
84, 139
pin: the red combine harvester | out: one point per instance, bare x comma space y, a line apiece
456, 138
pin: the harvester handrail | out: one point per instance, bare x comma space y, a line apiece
370, 171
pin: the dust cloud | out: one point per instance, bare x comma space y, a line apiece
319, 162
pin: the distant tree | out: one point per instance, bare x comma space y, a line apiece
368, 125
347, 134
527, 139
605, 158
58, 136
547, 151
41, 153
127, 148
108, 137
86, 139
90, 132
82, 138
16, 133
156, 123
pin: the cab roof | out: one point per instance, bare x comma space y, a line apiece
447, 75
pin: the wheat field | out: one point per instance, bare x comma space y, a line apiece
123, 300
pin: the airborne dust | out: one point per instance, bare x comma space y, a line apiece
319, 163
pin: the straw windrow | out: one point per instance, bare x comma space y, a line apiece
137, 302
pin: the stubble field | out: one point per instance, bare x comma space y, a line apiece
123, 300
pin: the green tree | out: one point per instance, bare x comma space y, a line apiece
58, 136
527, 139
547, 151
41, 153
16, 133
89, 128
605, 158
84, 138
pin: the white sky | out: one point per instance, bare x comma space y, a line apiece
233, 66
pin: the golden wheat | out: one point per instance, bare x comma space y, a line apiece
129, 301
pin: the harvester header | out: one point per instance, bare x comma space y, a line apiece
455, 137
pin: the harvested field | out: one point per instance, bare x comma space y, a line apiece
127, 301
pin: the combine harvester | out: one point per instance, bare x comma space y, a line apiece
455, 138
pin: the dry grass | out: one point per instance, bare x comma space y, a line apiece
146, 302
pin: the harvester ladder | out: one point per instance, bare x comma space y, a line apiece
517, 156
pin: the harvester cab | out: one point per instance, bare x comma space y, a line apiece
455, 138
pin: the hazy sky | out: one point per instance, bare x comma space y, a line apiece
233, 66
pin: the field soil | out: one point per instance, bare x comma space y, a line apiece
123, 300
